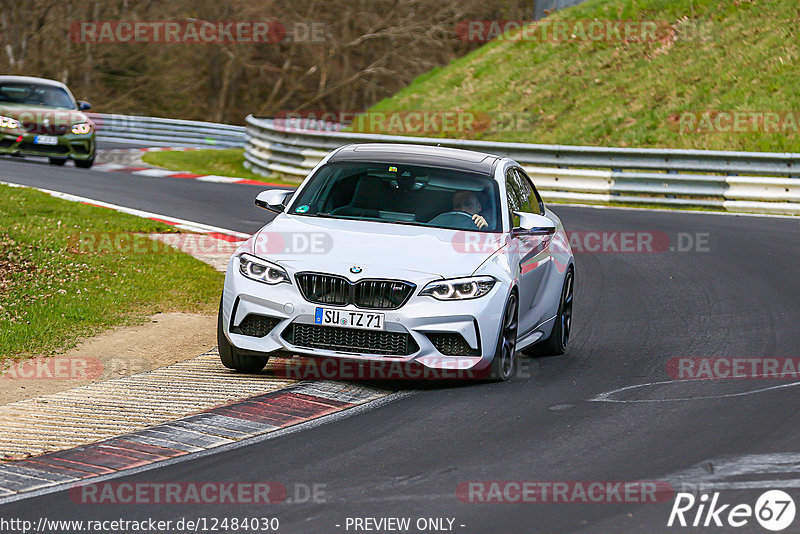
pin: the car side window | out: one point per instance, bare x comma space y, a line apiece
525, 193
513, 195
532, 200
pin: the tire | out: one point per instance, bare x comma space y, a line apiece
84, 163
504, 361
230, 356
57, 161
556, 344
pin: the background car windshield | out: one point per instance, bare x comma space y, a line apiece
404, 194
35, 95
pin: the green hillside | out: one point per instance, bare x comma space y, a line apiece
709, 57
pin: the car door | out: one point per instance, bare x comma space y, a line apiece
533, 252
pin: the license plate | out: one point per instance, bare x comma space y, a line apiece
349, 319
45, 140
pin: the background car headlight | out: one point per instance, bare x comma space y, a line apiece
262, 270
459, 288
82, 128
8, 122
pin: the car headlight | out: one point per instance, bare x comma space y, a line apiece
8, 122
262, 270
82, 128
459, 288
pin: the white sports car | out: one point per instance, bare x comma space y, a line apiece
443, 257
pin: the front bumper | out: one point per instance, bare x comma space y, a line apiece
70, 146
477, 321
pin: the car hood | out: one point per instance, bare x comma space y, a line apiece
36, 114
381, 250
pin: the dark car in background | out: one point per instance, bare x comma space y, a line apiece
40, 117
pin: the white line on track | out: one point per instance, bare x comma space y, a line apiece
608, 396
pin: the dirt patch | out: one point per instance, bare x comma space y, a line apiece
167, 338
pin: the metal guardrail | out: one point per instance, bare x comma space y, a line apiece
155, 131
752, 182
542, 7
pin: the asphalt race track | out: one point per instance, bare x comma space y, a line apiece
184, 199
735, 297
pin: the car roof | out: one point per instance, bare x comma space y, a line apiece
32, 79
431, 156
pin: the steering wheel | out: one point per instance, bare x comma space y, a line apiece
459, 219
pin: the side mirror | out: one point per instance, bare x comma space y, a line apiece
273, 200
83, 105
532, 224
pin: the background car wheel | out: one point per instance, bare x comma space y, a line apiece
556, 344
231, 358
504, 359
57, 161
84, 164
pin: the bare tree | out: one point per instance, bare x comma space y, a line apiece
368, 50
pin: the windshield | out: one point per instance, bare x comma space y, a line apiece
35, 95
402, 194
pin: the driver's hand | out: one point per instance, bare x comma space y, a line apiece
479, 221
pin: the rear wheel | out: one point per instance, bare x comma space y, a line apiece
57, 161
230, 356
504, 360
557, 343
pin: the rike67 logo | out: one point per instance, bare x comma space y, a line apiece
774, 510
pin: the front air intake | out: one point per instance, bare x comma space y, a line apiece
256, 325
452, 344
351, 340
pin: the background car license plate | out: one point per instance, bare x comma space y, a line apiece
349, 319
45, 140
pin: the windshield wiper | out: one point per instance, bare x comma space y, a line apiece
320, 215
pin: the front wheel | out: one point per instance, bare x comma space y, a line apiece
230, 356
504, 361
84, 163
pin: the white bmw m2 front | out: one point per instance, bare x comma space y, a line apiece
443, 257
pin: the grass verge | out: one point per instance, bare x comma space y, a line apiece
714, 57
70, 270
221, 162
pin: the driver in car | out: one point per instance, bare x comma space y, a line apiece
468, 202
